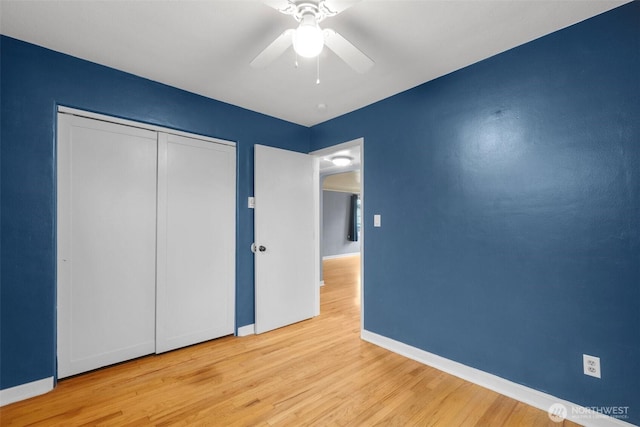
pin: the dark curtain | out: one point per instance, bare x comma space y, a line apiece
352, 235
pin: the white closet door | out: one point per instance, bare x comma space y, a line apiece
106, 243
196, 241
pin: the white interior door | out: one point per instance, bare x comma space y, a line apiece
286, 188
196, 241
106, 243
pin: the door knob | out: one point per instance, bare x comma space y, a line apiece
255, 248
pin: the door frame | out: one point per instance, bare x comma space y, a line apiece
358, 142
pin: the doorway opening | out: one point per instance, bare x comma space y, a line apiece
341, 206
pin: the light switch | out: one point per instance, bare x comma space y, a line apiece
376, 220
251, 203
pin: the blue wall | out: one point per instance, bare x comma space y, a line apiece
510, 201
33, 82
509, 191
336, 208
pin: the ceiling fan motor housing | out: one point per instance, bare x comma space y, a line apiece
301, 9
309, 39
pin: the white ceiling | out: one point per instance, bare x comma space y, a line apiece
326, 166
206, 46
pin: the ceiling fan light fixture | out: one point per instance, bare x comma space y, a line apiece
308, 39
341, 160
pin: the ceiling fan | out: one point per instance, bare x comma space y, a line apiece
309, 39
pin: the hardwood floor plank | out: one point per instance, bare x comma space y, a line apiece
316, 372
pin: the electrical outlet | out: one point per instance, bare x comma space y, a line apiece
591, 365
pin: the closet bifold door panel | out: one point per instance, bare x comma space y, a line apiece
106, 248
196, 241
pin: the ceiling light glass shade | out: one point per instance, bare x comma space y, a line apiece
341, 160
308, 39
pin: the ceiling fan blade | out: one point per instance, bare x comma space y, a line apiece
284, 6
338, 6
274, 50
347, 52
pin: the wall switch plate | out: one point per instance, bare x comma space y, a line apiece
251, 203
591, 365
377, 220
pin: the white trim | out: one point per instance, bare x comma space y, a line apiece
505, 387
140, 125
322, 283
25, 391
341, 146
246, 330
362, 233
335, 190
340, 256
316, 232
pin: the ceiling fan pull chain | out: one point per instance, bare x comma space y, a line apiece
318, 70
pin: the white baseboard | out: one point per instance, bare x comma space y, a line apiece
243, 331
25, 391
340, 256
532, 397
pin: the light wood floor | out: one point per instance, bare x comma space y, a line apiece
316, 372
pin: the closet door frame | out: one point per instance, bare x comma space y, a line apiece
140, 125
